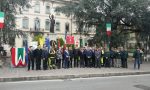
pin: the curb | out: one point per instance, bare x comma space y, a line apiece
64, 77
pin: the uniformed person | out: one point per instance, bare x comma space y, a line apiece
136, 56
45, 54
38, 56
30, 58
58, 58
88, 57
52, 56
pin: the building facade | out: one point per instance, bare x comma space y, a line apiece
37, 19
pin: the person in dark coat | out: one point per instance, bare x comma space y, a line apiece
66, 58
76, 57
85, 60
107, 59
112, 56
89, 57
136, 56
59, 58
71, 57
38, 56
82, 61
45, 54
93, 58
97, 58
30, 58
124, 56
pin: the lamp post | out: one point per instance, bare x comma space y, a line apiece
108, 29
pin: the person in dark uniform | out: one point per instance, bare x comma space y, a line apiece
71, 57
124, 56
93, 58
97, 58
81, 54
66, 58
85, 60
136, 56
59, 58
107, 59
76, 57
45, 54
52, 56
30, 58
38, 56
112, 56
89, 57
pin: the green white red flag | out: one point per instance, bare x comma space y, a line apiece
108, 29
1, 19
18, 57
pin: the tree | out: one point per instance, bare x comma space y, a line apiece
128, 14
61, 42
9, 32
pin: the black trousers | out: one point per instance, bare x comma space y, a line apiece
45, 63
31, 63
124, 63
93, 61
89, 62
58, 63
106, 62
70, 62
82, 62
76, 61
38, 63
97, 63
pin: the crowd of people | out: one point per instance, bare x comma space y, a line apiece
85, 57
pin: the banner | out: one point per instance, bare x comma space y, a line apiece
1, 19
70, 39
18, 57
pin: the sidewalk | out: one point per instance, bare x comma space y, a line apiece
8, 74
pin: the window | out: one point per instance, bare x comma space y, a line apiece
67, 26
47, 10
37, 24
37, 7
25, 23
57, 26
47, 24
25, 40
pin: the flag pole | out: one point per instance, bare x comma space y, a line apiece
108, 27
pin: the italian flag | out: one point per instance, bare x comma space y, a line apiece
1, 19
18, 57
108, 28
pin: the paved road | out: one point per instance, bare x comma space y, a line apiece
141, 82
